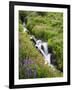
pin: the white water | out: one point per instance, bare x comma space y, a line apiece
44, 52
39, 44
45, 45
24, 27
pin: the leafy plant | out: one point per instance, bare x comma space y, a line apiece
47, 27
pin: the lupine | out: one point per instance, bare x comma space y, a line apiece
30, 72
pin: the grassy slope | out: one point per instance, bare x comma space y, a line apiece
49, 27
28, 50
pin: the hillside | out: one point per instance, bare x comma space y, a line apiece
47, 27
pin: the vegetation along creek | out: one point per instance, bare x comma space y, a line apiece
40, 44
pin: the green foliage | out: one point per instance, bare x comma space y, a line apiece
20, 27
47, 27
58, 51
20, 22
22, 14
27, 50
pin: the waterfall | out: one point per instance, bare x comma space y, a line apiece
45, 45
24, 24
24, 27
41, 46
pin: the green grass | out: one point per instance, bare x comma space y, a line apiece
47, 27
27, 49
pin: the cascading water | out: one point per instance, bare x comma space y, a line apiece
42, 46
24, 26
45, 45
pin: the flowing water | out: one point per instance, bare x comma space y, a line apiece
41, 46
